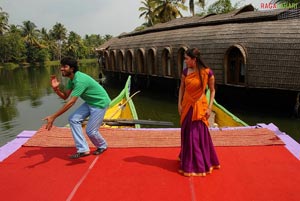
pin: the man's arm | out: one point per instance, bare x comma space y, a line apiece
50, 119
55, 86
63, 94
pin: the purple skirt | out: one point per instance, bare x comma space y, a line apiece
197, 156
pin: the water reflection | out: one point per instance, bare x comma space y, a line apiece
26, 97
8, 110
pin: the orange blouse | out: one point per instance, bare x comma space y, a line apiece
194, 96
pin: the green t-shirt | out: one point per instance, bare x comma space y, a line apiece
89, 90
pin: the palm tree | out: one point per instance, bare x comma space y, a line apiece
107, 37
3, 22
148, 11
15, 29
59, 33
46, 39
167, 10
74, 44
45, 34
221, 6
192, 5
30, 33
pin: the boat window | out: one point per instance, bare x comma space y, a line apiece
236, 66
106, 60
113, 60
166, 62
129, 61
180, 60
120, 59
151, 61
141, 61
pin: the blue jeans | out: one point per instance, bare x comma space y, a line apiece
96, 116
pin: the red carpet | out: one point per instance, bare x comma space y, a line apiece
252, 173
136, 174
147, 174
40, 174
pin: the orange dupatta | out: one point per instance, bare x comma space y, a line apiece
194, 96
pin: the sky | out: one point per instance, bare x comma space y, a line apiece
112, 17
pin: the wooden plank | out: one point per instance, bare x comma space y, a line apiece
114, 123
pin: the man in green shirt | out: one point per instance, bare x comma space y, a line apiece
96, 102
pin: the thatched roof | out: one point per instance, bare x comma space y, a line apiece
242, 15
107, 44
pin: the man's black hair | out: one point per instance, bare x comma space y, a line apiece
70, 61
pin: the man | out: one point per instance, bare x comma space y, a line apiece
95, 105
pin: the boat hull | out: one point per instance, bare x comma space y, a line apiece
122, 107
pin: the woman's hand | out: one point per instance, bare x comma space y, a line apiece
179, 109
208, 112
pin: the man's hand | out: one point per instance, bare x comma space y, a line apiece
50, 120
54, 82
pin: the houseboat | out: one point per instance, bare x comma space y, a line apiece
247, 49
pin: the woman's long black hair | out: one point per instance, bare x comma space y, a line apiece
195, 53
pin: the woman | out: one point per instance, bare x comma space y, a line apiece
197, 156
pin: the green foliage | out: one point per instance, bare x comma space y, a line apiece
221, 6
42, 56
160, 11
148, 12
26, 43
31, 54
12, 48
3, 22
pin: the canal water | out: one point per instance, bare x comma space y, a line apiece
26, 98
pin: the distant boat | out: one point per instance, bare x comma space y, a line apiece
122, 113
122, 106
